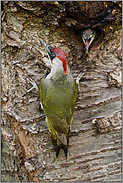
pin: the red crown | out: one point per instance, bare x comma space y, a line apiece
62, 56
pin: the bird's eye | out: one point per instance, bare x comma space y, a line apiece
52, 53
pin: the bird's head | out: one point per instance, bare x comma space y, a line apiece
57, 57
88, 36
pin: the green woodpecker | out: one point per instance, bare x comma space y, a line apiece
58, 93
88, 36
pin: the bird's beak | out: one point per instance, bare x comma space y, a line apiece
87, 43
48, 48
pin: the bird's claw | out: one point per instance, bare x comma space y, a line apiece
34, 85
78, 79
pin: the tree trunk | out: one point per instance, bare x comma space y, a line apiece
94, 152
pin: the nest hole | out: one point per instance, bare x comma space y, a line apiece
98, 38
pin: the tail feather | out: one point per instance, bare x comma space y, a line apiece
61, 144
61, 138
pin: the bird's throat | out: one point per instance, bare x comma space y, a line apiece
57, 70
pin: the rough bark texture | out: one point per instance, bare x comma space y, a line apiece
95, 141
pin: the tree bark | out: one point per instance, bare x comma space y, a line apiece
94, 152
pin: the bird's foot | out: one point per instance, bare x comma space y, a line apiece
34, 85
78, 79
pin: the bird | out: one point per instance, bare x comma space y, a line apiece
88, 37
58, 93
